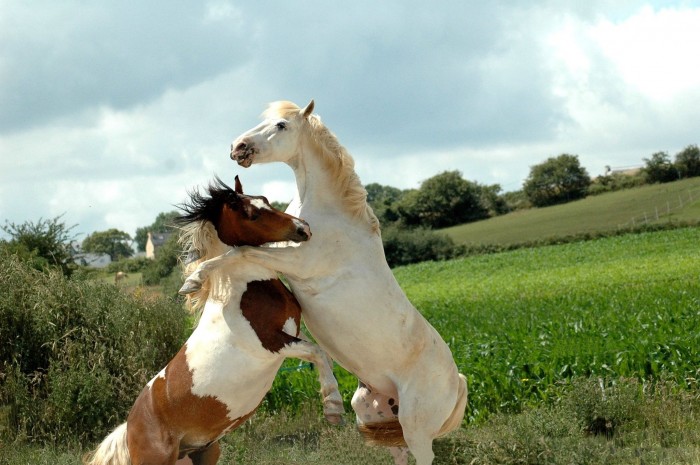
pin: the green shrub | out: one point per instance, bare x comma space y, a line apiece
165, 262
129, 265
403, 246
75, 353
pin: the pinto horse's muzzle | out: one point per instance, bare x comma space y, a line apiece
302, 232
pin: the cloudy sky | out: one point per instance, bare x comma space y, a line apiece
111, 110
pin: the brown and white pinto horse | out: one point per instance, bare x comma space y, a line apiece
250, 322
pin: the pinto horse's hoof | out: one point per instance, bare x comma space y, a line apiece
189, 287
335, 419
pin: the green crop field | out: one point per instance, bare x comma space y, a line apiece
520, 322
651, 204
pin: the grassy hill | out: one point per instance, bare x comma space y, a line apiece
676, 201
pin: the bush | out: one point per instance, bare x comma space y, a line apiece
48, 240
615, 182
76, 353
164, 264
129, 265
403, 246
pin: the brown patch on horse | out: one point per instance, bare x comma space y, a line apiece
387, 433
261, 304
168, 410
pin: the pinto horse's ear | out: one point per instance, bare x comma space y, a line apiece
306, 112
239, 186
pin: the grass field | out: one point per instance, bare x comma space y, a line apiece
676, 201
585, 353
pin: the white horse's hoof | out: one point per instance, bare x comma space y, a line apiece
189, 287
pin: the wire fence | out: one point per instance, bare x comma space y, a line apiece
664, 209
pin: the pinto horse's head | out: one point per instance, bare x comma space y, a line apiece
242, 219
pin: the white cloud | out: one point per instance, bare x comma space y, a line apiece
655, 52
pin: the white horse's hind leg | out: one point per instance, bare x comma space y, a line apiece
421, 446
400, 455
425, 407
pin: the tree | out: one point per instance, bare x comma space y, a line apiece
383, 200
165, 262
444, 200
688, 162
113, 242
659, 168
281, 206
493, 201
48, 239
163, 223
557, 180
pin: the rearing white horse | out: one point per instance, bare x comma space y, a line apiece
410, 388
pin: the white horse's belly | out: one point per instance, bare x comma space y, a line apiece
371, 329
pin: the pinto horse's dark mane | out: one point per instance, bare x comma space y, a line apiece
207, 208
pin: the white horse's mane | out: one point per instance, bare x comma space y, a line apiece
336, 159
199, 236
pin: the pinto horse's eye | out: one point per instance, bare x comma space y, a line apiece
282, 125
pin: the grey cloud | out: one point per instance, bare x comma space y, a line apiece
65, 58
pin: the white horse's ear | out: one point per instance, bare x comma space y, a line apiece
239, 186
306, 112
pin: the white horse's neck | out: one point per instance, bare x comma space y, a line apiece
314, 185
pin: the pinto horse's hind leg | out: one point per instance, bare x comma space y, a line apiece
208, 456
332, 401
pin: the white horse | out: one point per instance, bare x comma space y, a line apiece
410, 390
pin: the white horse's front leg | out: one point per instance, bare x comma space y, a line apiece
195, 281
286, 260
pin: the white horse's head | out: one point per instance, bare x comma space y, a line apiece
277, 138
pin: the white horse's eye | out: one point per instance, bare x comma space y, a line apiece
282, 125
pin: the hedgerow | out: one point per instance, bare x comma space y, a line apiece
76, 353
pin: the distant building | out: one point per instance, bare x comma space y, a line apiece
93, 260
154, 242
624, 170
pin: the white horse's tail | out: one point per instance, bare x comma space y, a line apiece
112, 451
457, 415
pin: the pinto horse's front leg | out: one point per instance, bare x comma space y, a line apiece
332, 400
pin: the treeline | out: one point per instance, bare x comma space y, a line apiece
447, 199
409, 217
